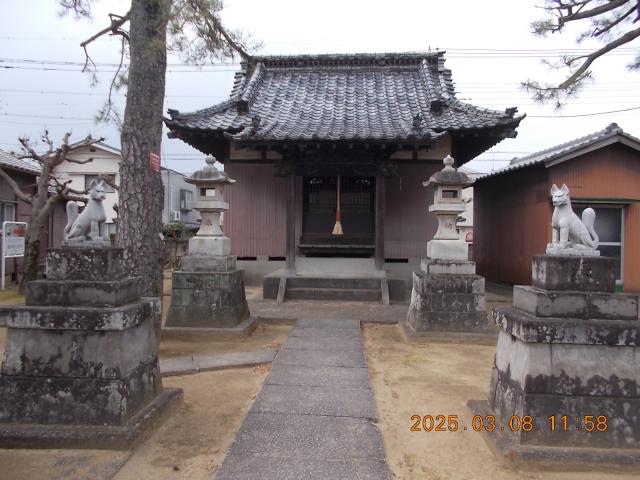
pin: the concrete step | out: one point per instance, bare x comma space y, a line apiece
334, 282
352, 294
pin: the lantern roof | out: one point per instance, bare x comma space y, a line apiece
210, 174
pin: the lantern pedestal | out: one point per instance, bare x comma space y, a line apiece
447, 295
208, 295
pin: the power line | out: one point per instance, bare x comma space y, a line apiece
585, 114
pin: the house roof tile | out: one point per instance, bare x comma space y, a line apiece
9, 160
377, 97
570, 149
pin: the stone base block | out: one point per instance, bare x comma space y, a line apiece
123, 437
531, 329
568, 304
557, 250
516, 454
583, 274
85, 263
201, 245
207, 299
205, 334
454, 303
453, 267
82, 292
447, 250
78, 401
207, 263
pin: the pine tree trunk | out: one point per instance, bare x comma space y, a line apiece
141, 192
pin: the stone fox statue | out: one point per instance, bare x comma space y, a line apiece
86, 225
568, 230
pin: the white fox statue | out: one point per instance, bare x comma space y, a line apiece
86, 225
570, 235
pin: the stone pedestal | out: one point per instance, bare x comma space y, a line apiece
208, 293
567, 349
80, 367
447, 296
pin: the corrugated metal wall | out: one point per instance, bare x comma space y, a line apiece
512, 218
611, 172
408, 223
512, 212
256, 220
632, 248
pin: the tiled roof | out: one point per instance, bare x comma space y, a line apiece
570, 149
10, 161
378, 97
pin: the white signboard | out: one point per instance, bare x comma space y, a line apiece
13, 241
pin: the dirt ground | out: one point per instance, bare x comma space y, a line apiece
438, 379
190, 444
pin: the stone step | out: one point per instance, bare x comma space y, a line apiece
352, 294
334, 282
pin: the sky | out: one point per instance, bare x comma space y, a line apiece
489, 46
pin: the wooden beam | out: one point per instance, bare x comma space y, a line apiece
291, 223
380, 214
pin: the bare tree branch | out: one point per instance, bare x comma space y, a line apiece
80, 162
16, 188
114, 29
107, 179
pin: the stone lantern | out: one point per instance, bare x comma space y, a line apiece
447, 296
210, 203
447, 206
207, 294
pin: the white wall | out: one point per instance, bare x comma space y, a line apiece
104, 162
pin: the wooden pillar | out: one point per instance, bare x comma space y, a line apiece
291, 222
380, 208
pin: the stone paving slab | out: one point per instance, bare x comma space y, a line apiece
290, 435
324, 332
324, 343
319, 376
245, 467
321, 358
314, 417
202, 363
323, 323
335, 401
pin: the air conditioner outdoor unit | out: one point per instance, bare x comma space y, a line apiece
175, 215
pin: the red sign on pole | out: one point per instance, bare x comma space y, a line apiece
154, 161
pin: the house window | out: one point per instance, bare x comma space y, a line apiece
107, 188
186, 199
609, 227
7, 212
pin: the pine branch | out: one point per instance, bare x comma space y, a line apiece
594, 12
589, 59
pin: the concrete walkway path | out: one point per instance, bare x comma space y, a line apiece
314, 418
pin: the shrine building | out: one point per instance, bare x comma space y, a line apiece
330, 152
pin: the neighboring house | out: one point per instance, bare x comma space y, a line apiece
24, 173
376, 124
178, 199
513, 205
178, 194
